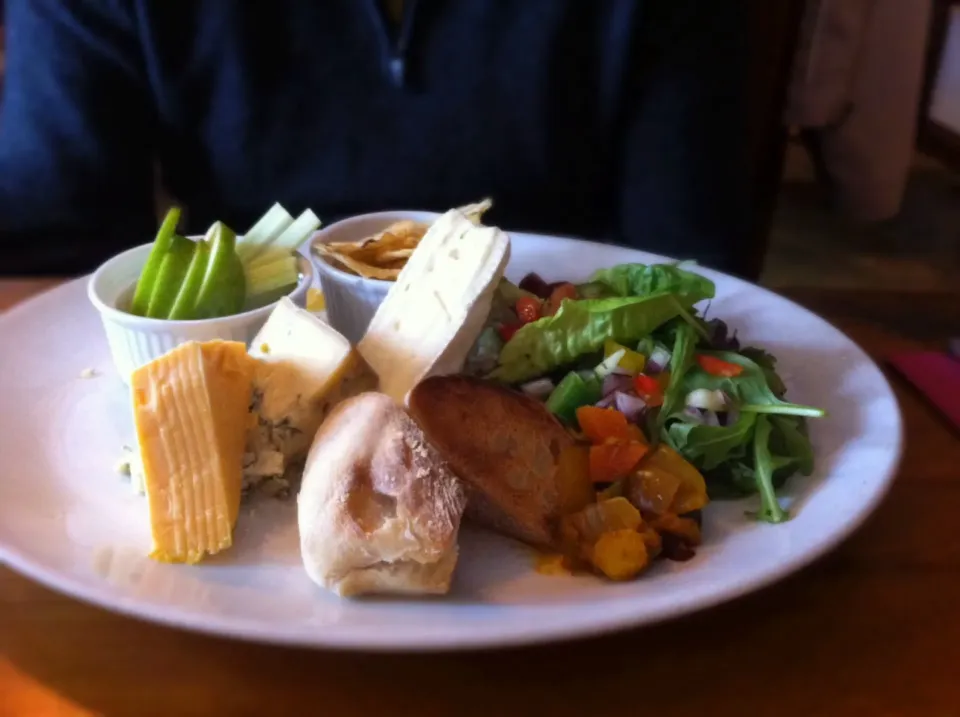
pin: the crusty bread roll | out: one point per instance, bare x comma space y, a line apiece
504, 446
378, 509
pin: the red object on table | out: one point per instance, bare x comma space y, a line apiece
936, 375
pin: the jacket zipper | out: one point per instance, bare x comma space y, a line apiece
394, 46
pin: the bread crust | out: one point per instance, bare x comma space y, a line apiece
503, 445
378, 510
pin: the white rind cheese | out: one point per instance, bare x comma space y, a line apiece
432, 315
305, 368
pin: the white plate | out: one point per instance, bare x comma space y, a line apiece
68, 520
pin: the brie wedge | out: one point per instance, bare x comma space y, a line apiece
432, 315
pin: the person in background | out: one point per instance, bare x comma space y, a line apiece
615, 120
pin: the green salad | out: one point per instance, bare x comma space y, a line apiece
635, 340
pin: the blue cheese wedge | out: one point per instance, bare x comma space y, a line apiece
305, 367
432, 315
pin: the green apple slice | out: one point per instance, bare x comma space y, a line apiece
169, 279
224, 286
183, 307
148, 275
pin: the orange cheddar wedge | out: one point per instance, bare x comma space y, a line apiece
190, 407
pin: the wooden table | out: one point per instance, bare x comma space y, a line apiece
872, 629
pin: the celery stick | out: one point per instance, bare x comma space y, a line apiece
260, 300
276, 274
270, 226
148, 275
298, 232
267, 256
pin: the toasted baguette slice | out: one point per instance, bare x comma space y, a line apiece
504, 446
378, 509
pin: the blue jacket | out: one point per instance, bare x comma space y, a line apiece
618, 120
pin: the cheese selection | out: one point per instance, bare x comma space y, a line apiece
217, 419
190, 412
214, 420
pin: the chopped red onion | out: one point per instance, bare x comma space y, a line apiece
658, 360
617, 382
702, 416
606, 401
706, 399
728, 418
535, 285
621, 371
630, 406
538, 388
610, 364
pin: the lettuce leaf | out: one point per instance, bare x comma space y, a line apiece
708, 447
757, 453
581, 327
763, 467
790, 445
648, 279
681, 361
644, 298
750, 389
485, 354
768, 363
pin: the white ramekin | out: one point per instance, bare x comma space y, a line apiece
137, 340
352, 300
